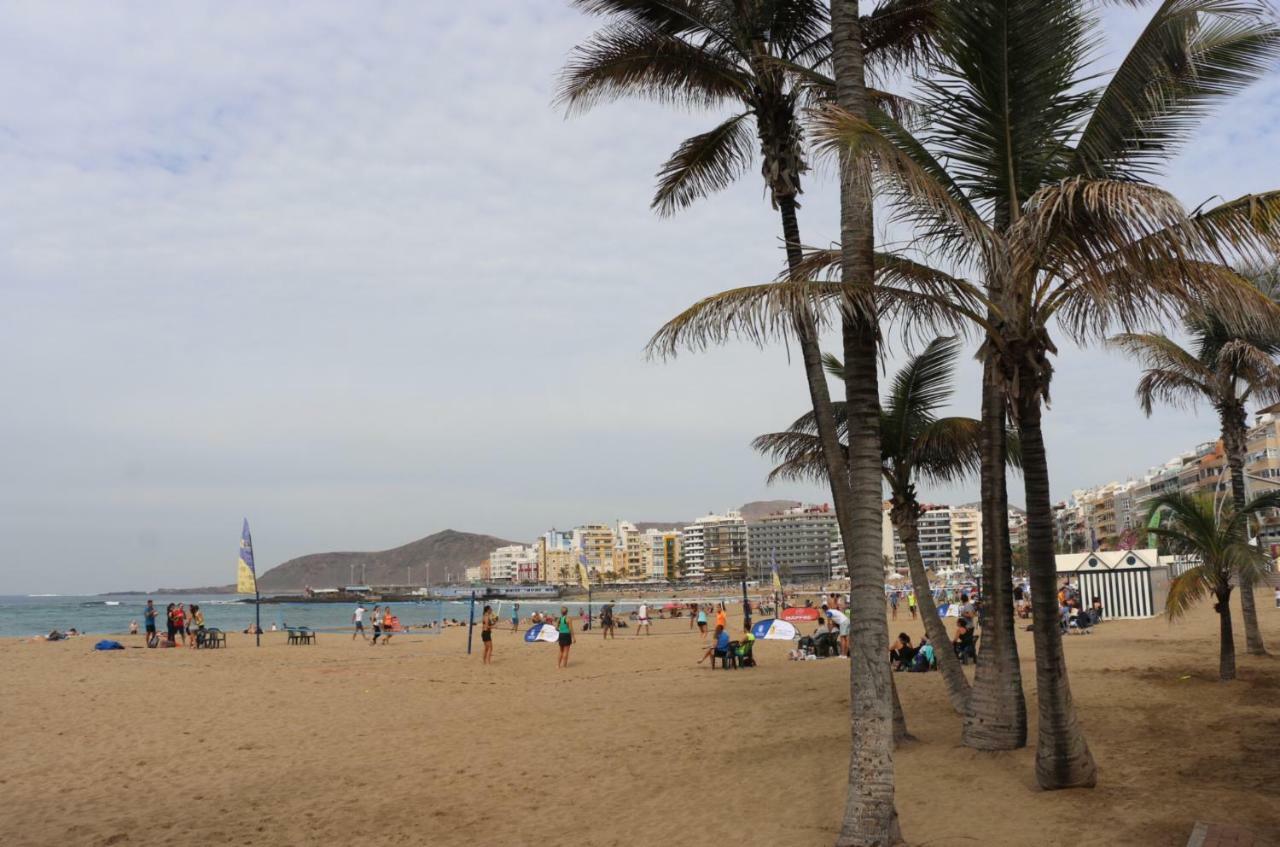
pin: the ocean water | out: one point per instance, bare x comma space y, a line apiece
110, 614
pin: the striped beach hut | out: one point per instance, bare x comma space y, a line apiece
1130, 583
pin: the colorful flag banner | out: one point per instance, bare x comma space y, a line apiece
246, 576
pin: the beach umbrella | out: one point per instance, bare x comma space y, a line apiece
774, 630
541, 632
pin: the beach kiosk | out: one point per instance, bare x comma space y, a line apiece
1130, 583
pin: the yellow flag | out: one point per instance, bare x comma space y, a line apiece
246, 576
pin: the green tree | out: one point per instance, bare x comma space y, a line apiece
1196, 526
1224, 367
760, 55
1032, 181
915, 444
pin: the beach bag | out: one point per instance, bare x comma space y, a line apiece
106, 644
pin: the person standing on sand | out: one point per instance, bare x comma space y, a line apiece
693, 614
376, 620
357, 618
388, 624
515, 618
564, 626
722, 620
487, 620
168, 615
893, 603
196, 629
642, 619
149, 618
180, 623
606, 621
702, 622
911, 604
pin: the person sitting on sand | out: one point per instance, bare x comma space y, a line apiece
133, 627
901, 652
719, 647
963, 642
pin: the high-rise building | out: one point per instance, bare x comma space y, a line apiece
934, 534
966, 535
557, 559
664, 551
799, 540
595, 543
514, 563
629, 553
715, 547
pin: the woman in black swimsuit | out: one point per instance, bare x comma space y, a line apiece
486, 633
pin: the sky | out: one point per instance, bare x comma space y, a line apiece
346, 270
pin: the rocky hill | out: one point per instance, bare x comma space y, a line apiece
449, 554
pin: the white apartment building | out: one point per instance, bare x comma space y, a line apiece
715, 546
629, 553
514, 563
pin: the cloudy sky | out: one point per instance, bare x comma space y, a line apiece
343, 268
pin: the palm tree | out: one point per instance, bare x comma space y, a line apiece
914, 444
1032, 182
757, 54
1196, 526
1225, 368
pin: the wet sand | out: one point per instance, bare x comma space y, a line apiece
417, 743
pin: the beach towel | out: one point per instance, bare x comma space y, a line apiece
106, 644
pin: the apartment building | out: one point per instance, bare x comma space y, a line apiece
595, 544
514, 563
799, 540
966, 533
715, 547
664, 551
629, 553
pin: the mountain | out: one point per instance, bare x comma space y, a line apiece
449, 554
758, 509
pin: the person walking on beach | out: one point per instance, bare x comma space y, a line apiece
642, 619
376, 620
893, 604
606, 622
149, 618
388, 624
487, 620
357, 618
702, 621
911, 604
564, 626
515, 618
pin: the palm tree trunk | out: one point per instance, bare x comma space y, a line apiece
1226, 640
996, 715
870, 818
1063, 759
906, 521
1235, 439
901, 734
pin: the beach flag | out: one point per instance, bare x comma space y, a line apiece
541, 632
246, 576
774, 630
773, 567
584, 576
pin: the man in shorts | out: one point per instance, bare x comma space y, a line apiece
837, 619
357, 617
606, 621
515, 618
642, 619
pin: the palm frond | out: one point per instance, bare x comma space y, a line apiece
1188, 589
704, 164
947, 450
634, 60
1191, 55
922, 385
1171, 374
798, 455
757, 314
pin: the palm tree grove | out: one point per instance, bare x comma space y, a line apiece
1000, 193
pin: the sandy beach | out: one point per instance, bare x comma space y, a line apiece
417, 743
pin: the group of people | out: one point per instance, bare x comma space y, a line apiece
181, 627
896, 597
383, 622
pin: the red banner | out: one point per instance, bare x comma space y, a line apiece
798, 614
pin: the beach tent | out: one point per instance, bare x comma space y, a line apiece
774, 630
1130, 583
